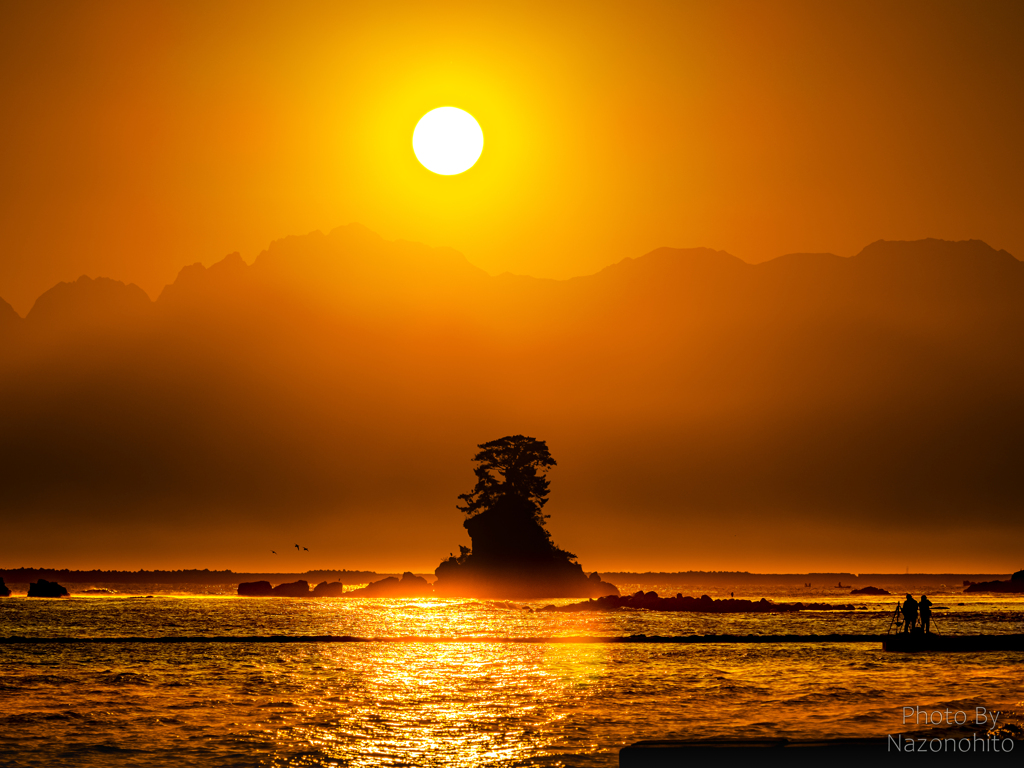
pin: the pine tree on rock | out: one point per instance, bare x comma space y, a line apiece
512, 554
504, 512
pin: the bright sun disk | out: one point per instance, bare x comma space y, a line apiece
447, 141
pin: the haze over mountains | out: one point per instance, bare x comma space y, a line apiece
807, 413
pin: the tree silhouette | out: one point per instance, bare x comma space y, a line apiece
504, 512
510, 475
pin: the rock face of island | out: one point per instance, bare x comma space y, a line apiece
44, 588
5, 591
1014, 585
870, 591
513, 556
704, 604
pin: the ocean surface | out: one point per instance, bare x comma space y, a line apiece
468, 703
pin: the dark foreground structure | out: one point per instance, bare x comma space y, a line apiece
959, 750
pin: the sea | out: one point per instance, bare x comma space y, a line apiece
477, 702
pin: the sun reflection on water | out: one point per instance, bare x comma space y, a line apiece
441, 705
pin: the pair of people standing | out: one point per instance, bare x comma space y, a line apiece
911, 608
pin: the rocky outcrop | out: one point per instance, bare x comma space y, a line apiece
294, 589
44, 588
1010, 586
600, 588
298, 588
870, 591
255, 589
520, 582
5, 591
409, 585
704, 604
263, 589
329, 589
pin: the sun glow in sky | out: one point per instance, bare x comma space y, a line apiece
147, 141
448, 140
166, 133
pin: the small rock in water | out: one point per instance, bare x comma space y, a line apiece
44, 588
409, 585
255, 589
298, 588
331, 589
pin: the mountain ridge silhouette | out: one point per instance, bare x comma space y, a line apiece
8, 317
278, 262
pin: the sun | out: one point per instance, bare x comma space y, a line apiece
447, 140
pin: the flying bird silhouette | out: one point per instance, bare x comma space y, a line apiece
305, 549
296, 547
273, 552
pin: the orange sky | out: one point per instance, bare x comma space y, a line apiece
144, 137
141, 137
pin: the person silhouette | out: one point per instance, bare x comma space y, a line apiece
909, 614
926, 614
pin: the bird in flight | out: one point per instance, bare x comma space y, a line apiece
273, 552
305, 549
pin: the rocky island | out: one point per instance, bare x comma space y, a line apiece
513, 556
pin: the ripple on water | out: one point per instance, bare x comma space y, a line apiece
450, 705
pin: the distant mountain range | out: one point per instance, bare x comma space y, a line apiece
348, 378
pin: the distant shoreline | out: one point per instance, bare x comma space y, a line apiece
698, 578
192, 576
823, 579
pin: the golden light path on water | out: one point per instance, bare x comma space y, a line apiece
454, 704
457, 705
